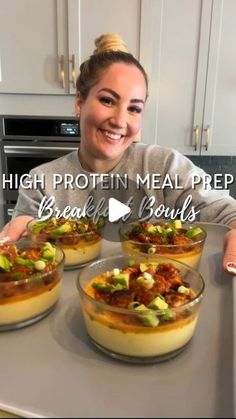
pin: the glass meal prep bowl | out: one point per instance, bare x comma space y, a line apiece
173, 239
80, 239
30, 282
137, 310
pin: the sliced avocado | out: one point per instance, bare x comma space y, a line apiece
192, 232
62, 229
151, 229
143, 267
148, 319
5, 264
166, 314
168, 230
107, 288
177, 224
122, 279
158, 304
38, 226
102, 287
49, 252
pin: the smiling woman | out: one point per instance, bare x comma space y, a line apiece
111, 93
112, 89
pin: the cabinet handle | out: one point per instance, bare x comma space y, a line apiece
73, 75
207, 132
62, 71
196, 131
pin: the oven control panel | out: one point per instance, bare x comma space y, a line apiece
45, 128
69, 128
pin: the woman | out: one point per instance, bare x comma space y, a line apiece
112, 89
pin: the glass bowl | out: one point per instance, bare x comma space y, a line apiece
80, 239
30, 282
137, 310
184, 242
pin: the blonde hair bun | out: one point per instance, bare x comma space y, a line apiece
111, 41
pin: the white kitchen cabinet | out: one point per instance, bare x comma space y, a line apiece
28, 46
220, 97
43, 42
190, 53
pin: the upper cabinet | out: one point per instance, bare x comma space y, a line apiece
189, 50
28, 47
43, 42
219, 117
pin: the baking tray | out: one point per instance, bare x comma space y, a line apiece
51, 369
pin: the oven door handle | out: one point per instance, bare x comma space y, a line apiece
22, 149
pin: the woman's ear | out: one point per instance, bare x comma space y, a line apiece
77, 104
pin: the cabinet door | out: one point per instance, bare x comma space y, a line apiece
219, 122
28, 47
88, 19
174, 49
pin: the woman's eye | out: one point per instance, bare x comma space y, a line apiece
106, 100
135, 109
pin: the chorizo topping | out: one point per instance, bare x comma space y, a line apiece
68, 231
156, 237
146, 288
18, 263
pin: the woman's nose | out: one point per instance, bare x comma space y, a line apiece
119, 118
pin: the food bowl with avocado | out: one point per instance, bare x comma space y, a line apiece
80, 239
30, 282
174, 239
140, 311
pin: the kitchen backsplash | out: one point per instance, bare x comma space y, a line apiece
218, 164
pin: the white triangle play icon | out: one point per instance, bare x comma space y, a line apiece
117, 209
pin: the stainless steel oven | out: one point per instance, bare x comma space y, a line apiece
27, 142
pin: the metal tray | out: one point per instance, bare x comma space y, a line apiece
50, 369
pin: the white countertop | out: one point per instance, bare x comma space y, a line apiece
51, 369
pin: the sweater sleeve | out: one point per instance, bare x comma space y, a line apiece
212, 205
28, 200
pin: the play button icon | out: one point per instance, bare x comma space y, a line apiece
117, 210
118, 205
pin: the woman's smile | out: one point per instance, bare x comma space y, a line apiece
112, 137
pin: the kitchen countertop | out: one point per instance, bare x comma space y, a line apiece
50, 369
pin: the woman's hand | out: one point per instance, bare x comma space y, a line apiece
229, 260
15, 229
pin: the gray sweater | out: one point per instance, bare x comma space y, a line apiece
154, 181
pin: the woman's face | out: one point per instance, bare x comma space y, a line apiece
110, 116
